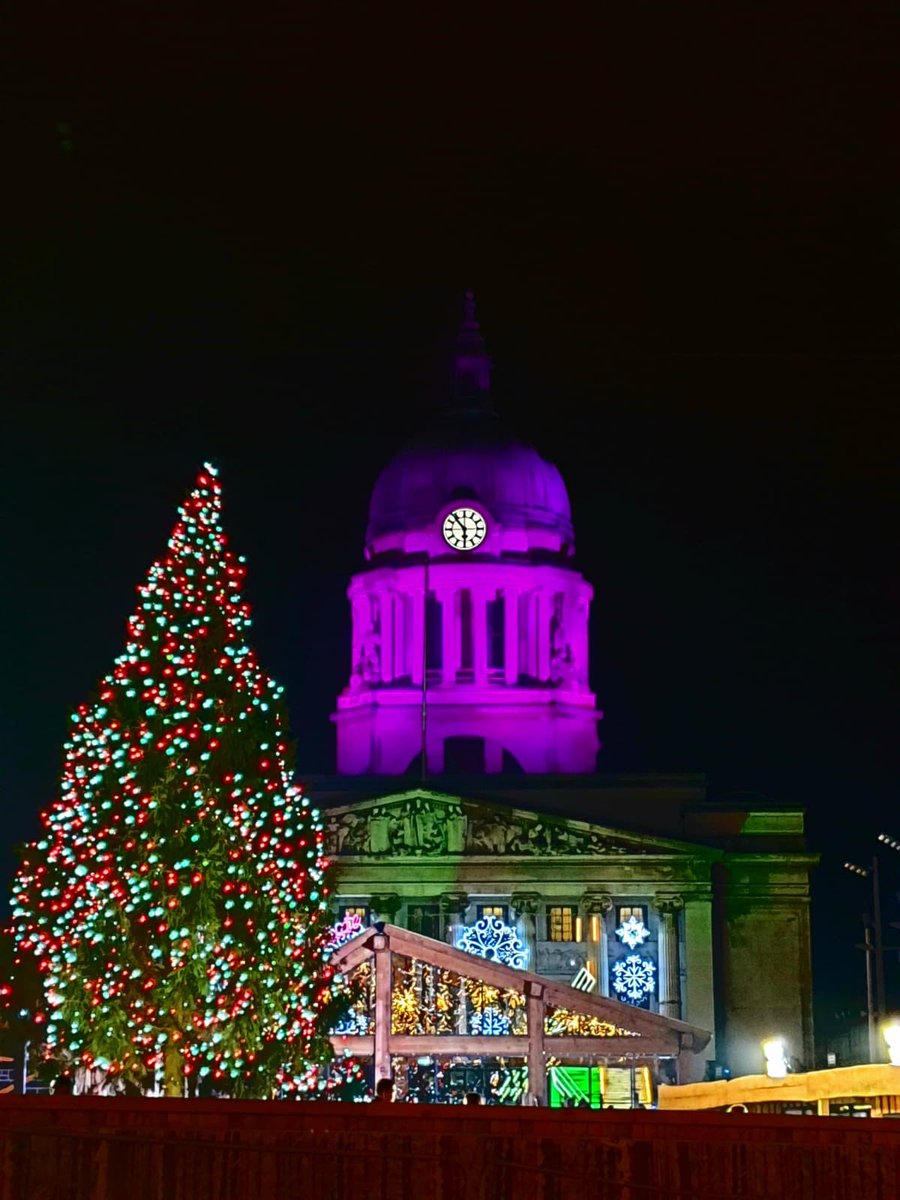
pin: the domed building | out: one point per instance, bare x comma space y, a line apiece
470, 622
467, 797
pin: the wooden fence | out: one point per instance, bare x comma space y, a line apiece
87, 1148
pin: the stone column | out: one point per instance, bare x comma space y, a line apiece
386, 906
597, 905
669, 984
582, 609
387, 637
449, 635
400, 636
542, 632
700, 984
360, 610
510, 636
479, 636
417, 650
453, 911
524, 906
528, 633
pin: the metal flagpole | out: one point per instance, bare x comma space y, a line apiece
879, 941
871, 1016
424, 763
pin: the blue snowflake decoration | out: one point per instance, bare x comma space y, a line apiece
633, 932
490, 1022
353, 1024
490, 938
633, 978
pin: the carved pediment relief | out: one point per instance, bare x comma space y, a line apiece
415, 824
424, 824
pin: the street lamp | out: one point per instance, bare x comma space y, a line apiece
875, 1004
848, 866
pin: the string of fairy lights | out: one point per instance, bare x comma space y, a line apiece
177, 900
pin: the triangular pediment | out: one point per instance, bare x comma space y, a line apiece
422, 823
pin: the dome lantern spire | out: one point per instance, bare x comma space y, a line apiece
471, 364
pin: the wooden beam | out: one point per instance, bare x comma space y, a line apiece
512, 1046
625, 1016
469, 966
416, 945
470, 1044
383, 982
604, 1048
356, 952
537, 1064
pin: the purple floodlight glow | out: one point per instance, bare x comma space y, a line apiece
494, 639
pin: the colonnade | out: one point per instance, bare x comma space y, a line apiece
544, 630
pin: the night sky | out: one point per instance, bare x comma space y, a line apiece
247, 240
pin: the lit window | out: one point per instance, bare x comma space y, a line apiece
356, 910
561, 924
636, 911
492, 910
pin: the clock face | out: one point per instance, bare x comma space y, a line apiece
464, 529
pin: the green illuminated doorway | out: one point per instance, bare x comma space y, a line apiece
569, 1087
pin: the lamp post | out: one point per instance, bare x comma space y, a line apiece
874, 950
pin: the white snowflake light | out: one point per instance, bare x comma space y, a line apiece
633, 978
490, 1022
490, 938
633, 932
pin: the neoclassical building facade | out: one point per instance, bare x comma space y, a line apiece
467, 747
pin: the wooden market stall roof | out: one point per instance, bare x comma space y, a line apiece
869, 1081
637, 1033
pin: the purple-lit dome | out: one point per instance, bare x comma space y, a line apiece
497, 637
470, 456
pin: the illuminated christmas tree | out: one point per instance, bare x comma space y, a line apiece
23, 1021
177, 903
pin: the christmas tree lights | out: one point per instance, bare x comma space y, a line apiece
177, 901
